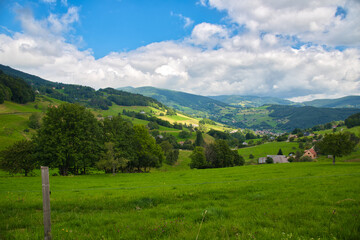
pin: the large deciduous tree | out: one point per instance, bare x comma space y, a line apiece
121, 133
148, 153
110, 160
198, 159
18, 157
338, 145
69, 139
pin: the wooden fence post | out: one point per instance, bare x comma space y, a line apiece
46, 202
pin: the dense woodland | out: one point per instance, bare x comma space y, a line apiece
15, 89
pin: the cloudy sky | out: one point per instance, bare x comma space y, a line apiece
300, 50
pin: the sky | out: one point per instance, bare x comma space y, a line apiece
298, 50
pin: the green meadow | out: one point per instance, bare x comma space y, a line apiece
269, 148
274, 201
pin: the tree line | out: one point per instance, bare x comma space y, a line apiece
214, 155
71, 139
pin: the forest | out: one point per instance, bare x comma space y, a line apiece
15, 89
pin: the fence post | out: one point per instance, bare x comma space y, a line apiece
46, 202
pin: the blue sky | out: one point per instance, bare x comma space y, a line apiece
300, 50
119, 25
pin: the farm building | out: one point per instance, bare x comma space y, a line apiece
310, 153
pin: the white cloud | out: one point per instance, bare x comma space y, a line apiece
310, 20
209, 35
49, 1
211, 61
187, 21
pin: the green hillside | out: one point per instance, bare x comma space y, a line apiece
100, 99
191, 104
345, 102
251, 101
283, 117
270, 117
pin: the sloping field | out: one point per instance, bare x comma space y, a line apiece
272, 201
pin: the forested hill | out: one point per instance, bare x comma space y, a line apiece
251, 101
344, 102
185, 102
103, 98
290, 117
15, 89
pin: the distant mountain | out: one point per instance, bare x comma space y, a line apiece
255, 112
251, 101
271, 117
188, 103
290, 117
344, 102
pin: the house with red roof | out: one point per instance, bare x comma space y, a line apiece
310, 153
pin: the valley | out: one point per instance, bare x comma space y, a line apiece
244, 200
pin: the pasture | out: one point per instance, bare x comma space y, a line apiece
315, 200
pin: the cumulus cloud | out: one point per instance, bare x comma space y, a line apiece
310, 20
211, 61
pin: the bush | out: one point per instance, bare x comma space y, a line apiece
251, 156
269, 160
291, 159
184, 134
306, 159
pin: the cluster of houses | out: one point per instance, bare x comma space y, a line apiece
284, 159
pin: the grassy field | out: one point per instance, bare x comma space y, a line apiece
180, 118
274, 201
269, 148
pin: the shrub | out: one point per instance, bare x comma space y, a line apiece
291, 159
306, 159
269, 160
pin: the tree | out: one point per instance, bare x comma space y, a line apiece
353, 120
250, 135
280, 152
120, 132
338, 145
238, 159
110, 160
69, 139
153, 125
224, 156
198, 159
35, 120
170, 112
199, 141
251, 156
298, 155
184, 134
148, 153
18, 158
166, 147
172, 156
